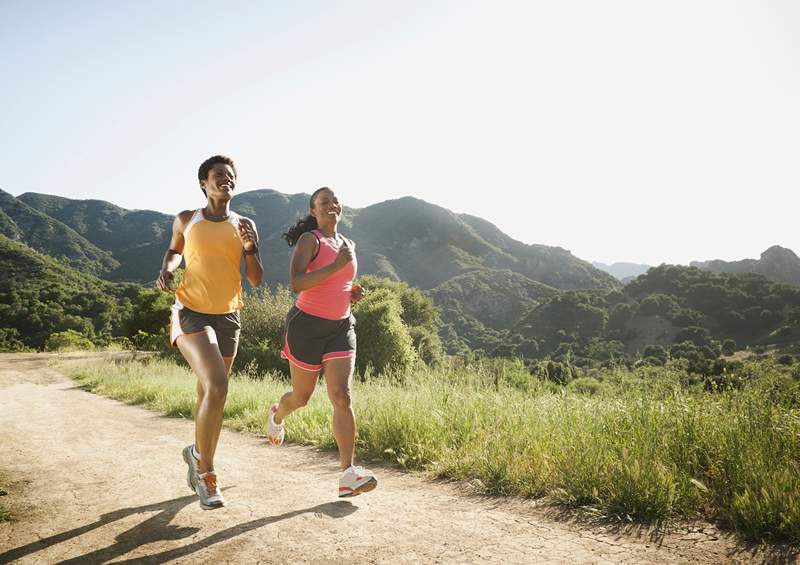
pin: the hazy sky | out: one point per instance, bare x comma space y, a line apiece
623, 131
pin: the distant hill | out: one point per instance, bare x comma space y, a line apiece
136, 239
24, 223
776, 263
478, 306
407, 239
622, 271
679, 310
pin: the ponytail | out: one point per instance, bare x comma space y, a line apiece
303, 225
300, 227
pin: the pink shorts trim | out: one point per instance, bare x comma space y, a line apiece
338, 355
287, 354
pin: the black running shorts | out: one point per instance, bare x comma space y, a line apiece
309, 341
222, 328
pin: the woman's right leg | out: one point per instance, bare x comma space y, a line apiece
204, 358
303, 384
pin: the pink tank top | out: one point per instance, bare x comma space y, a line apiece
331, 298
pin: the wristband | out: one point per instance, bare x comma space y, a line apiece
253, 251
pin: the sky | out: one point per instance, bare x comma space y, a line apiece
638, 131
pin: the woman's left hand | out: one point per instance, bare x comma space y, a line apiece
247, 235
357, 293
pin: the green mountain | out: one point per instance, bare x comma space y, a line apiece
407, 239
136, 239
37, 229
681, 310
776, 263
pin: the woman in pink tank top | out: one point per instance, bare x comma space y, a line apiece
320, 330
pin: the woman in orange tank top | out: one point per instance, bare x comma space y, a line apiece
214, 241
320, 330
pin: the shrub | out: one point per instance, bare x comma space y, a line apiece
67, 340
383, 340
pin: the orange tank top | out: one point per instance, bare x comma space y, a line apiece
212, 282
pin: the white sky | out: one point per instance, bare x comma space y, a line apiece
623, 131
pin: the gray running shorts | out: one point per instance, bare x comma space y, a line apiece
223, 328
309, 340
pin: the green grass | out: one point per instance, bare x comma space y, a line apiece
637, 446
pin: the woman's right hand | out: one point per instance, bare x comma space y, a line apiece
344, 256
165, 280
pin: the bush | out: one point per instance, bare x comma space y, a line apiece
10, 340
263, 321
67, 340
728, 347
383, 340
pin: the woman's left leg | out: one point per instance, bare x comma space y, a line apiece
338, 378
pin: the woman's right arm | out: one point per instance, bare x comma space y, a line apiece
174, 254
304, 251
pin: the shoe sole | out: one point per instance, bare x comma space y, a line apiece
214, 507
366, 487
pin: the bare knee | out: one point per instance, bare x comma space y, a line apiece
340, 398
217, 390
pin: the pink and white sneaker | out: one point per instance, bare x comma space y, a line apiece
275, 432
355, 481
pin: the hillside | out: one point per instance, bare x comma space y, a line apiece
39, 296
26, 224
776, 263
137, 239
681, 310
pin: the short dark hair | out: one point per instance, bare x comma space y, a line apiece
205, 167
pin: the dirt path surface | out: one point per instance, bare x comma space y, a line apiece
92, 480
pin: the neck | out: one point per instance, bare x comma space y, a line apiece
327, 230
218, 210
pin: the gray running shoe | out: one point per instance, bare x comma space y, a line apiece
205, 484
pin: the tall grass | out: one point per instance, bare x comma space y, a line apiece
639, 446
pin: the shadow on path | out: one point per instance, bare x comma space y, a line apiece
158, 528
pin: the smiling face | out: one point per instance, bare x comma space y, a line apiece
220, 183
326, 209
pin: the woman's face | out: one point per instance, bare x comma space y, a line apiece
326, 207
220, 182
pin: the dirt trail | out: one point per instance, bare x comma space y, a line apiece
92, 480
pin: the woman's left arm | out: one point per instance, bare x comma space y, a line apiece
248, 235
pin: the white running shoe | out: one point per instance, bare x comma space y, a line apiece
208, 490
275, 432
355, 481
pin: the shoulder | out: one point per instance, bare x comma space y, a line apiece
350, 242
183, 218
308, 238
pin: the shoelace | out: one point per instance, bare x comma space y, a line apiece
210, 479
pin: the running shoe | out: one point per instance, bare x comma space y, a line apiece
275, 432
355, 481
205, 484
